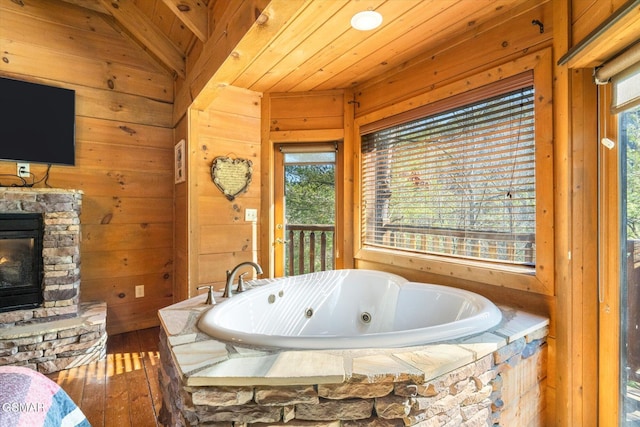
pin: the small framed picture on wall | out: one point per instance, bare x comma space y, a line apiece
179, 162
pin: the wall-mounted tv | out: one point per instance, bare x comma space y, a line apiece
37, 123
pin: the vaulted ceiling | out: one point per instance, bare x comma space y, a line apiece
316, 49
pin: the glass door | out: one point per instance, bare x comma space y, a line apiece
629, 140
305, 208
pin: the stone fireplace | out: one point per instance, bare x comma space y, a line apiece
42, 324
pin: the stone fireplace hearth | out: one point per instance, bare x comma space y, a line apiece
60, 333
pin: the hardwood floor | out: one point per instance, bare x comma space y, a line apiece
123, 389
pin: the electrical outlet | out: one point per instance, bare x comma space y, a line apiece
139, 291
23, 170
251, 214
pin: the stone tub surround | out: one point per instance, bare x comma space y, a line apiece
63, 344
494, 378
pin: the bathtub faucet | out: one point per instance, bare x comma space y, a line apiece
232, 274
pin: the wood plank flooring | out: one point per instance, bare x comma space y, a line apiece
123, 389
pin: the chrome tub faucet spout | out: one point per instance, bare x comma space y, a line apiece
232, 274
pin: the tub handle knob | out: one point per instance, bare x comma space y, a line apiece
240, 287
210, 300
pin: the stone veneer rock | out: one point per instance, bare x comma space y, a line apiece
495, 378
61, 249
59, 344
61, 333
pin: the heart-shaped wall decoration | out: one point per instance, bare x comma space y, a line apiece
231, 176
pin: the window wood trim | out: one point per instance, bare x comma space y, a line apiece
538, 280
609, 271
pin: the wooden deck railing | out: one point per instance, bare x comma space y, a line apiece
496, 246
310, 248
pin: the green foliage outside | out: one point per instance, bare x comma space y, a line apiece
630, 131
310, 194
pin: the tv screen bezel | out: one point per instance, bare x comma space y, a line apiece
39, 117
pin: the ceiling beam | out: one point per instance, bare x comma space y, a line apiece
193, 14
94, 5
135, 22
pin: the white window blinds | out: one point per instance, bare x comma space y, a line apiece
624, 73
459, 182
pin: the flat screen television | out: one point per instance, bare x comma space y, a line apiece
37, 123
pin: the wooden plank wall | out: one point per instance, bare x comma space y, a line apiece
124, 149
220, 238
308, 111
586, 16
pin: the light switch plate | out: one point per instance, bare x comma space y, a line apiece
139, 291
250, 215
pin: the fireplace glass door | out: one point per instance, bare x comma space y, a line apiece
20, 261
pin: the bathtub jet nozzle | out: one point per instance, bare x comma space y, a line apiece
365, 317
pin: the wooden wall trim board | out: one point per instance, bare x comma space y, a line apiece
182, 217
312, 135
583, 319
193, 220
565, 380
609, 260
267, 189
348, 208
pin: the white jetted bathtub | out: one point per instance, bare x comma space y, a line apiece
348, 309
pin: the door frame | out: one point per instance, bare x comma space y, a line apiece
343, 242
609, 268
278, 226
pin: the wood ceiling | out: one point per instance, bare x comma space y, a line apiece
316, 49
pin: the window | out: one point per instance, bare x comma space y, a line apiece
457, 179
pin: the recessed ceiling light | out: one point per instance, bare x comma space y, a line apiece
366, 20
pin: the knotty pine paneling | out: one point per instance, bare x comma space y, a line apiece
491, 44
220, 238
309, 110
587, 15
124, 150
